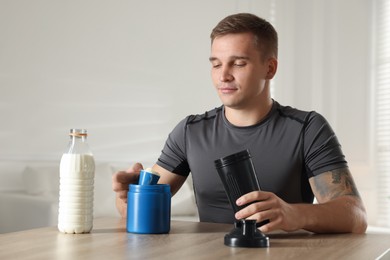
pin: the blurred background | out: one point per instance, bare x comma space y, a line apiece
128, 71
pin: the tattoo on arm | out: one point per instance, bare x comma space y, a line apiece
336, 177
333, 184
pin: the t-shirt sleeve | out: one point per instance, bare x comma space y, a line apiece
173, 156
322, 150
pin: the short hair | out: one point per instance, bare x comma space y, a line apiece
265, 35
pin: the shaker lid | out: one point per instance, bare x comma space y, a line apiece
233, 158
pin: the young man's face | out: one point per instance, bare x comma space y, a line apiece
238, 71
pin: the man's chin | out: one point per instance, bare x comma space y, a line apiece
227, 101
231, 105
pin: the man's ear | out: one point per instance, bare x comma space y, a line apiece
272, 67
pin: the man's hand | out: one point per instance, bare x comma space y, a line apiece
120, 184
339, 209
268, 206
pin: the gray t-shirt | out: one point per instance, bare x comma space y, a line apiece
288, 147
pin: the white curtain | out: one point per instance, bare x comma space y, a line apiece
382, 108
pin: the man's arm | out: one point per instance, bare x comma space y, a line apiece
339, 209
175, 181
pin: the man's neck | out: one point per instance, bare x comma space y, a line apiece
249, 116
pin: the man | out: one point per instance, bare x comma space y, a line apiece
295, 153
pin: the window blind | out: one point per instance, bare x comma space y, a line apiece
382, 108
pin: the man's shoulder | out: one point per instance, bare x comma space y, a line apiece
197, 120
298, 115
205, 117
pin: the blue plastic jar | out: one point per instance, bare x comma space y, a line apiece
149, 209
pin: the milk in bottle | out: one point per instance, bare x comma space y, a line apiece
77, 171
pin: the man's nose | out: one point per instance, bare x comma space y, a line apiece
226, 75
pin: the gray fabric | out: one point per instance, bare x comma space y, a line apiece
288, 147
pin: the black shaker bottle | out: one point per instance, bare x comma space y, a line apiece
238, 176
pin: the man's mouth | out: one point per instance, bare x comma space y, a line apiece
227, 89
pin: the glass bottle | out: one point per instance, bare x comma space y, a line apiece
77, 172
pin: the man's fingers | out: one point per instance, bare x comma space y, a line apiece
253, 196
119, 186
122, 179
137, 167
125, 177
122, 194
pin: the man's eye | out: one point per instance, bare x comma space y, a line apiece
216, 65
239, 64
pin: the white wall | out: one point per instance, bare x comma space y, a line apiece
129, 70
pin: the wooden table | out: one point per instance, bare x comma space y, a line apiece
186, 240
